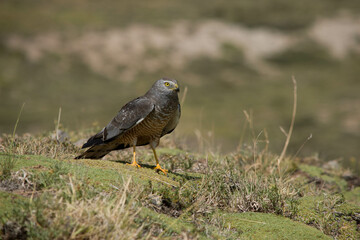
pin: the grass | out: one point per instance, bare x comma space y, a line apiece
76, 211
214, 84
245, 192
238, 195
319, 174
6, 167
268, 226
8, 163
331, 214
353, 196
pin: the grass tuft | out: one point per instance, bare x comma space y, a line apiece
204, 196
8, 163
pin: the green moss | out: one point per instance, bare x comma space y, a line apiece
319, 173
353, 196
348, 209
331, 214
8, 202
103, 172
348, 230
170, 151
170, 224
185, 224
114, 169
269, 226
306, 208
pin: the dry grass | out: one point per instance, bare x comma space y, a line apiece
60, 203
237, 184
66, 215
45, 145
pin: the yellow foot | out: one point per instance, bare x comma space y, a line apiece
158, 168
134, 164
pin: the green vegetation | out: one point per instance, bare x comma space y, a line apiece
353, 196
6, 165
241, 195
320, 175
268, 226
220, 88
234, 60
331, 214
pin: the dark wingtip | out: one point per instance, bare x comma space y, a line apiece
94, 140
87, 144
80, 156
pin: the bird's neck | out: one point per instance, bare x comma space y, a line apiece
167, 103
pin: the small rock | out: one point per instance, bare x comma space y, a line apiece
332, 165
155, 200
348, 175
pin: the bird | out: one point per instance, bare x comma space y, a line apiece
139, 122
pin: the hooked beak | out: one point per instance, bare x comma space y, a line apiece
176, 88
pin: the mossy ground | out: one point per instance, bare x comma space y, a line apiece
7, 202
269, 226
241, 195
353, 196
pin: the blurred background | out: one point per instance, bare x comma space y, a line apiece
91, 57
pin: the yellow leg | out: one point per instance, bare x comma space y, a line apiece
134, 163
158, 167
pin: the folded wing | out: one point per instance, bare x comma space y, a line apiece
129, 116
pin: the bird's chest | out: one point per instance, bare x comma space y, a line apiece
151, 127
155, 122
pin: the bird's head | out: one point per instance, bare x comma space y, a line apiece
167, 85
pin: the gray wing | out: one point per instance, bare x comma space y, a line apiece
129, 116
172, 123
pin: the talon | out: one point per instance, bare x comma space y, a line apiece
158, 168
134, 164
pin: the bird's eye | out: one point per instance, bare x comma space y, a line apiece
167, 84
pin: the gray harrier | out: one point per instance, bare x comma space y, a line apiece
141, 121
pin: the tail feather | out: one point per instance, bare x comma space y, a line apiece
95, 152
94, 140
99, 151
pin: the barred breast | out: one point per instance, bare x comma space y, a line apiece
148, 129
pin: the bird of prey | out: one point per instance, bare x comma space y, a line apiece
141, 121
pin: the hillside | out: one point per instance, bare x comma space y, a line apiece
46, 194
71, 65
